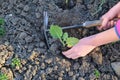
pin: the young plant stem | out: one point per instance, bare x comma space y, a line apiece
62, 42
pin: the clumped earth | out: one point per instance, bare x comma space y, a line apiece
24, 39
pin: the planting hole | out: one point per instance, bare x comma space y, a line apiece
66, 4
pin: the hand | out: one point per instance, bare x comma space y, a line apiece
84, 46
107, 22
107, 19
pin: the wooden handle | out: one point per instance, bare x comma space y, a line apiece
94, 23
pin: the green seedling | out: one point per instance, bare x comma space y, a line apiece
66, 1
16, 62
2, 30
97, 73
3, 76
2, 21
57, 32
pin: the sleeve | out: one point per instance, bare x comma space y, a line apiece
117, 28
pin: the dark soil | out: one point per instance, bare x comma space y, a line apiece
24, 39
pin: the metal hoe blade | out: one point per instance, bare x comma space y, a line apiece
45, 27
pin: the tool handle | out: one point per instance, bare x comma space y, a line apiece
94, 23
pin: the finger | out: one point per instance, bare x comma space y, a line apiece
104, 23
107, 26
99, 28
72, 55
67, 52
112, 23
75, 56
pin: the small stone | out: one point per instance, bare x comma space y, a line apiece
48, 61
49, 70
22, 35
37, 62
57, 59
92, 76
116, 67
26, 8
35, 1
60, 74
55, 67
70, 73
60, 78
43, 76
20, 5
41, 50
14, 21
43, 66
10, 48
97, 56
81, 78
33, 55
28, 39
74, 77
37, 15
6, 43
76, 66
42, 44
43, 56
23, 13
67, 69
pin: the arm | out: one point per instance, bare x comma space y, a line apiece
87, 44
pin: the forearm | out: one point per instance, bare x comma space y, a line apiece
104, 37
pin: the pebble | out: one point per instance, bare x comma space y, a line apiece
42, 44
81, 78
49, 70
6, 43
55, 67
35, 1
33, 55
76, 66
43, 66
43, 76
23, 35
26, 8
20, 5
41, 50
60, 74
23, 13
70, 73
28, 39
74, 77
60, 78
48, 61
37, 15
116, 67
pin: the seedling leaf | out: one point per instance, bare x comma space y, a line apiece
97, 73
65, 36
2, 21
56, 31
71, 41
3, 76
16, 62
2, 31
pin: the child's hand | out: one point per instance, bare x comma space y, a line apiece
82, 48
107, 19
